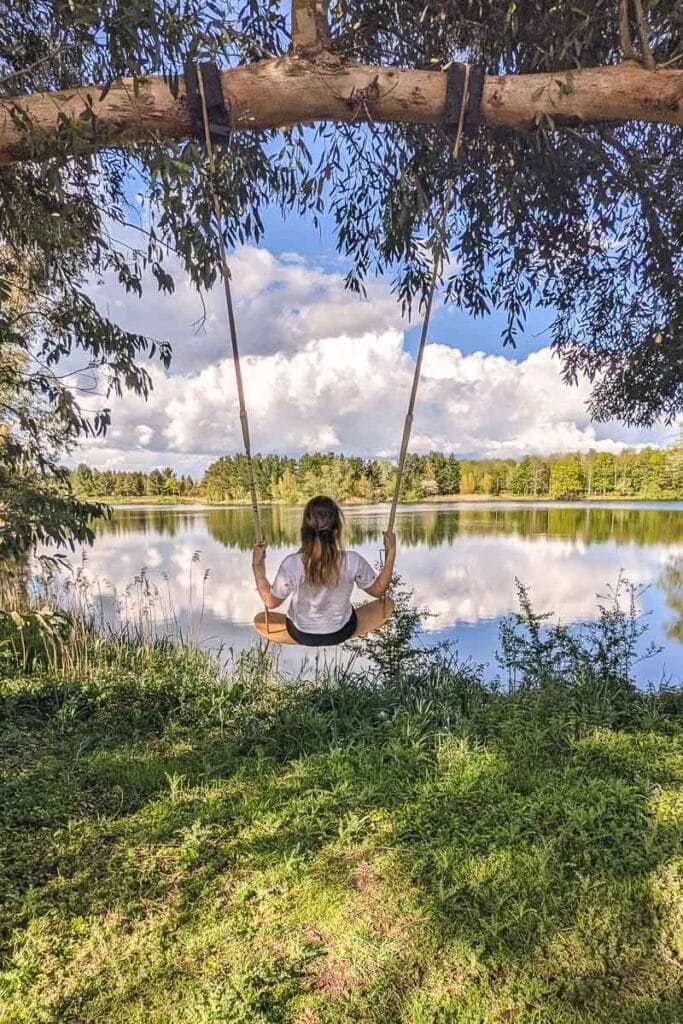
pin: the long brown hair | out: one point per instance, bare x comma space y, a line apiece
321, 541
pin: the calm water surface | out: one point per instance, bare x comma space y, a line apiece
461, 560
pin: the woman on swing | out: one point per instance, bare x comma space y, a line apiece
320, 578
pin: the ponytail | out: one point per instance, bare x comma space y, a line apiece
321, 541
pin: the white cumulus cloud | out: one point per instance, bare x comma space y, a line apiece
280, 303
324, 370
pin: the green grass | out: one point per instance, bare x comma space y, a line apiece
181, 846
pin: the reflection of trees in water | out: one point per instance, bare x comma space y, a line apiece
159, 521
432, 526
671, 582
234, 527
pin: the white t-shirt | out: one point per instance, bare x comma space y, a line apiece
316, 609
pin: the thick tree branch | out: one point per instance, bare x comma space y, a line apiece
310, 27
286, 91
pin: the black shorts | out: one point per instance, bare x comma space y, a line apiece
323, 639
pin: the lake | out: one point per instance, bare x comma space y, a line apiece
461, 559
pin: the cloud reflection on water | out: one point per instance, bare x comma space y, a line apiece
461, 561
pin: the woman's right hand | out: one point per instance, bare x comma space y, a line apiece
258, 558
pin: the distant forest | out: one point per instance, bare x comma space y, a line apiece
650, 473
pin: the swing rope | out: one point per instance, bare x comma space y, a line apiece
437, 266
225, 274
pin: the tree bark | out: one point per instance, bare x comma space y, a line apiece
291, 90
310, 28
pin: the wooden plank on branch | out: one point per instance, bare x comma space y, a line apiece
291, 90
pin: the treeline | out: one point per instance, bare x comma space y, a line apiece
110, 483
279, 478
344, 478
650, 474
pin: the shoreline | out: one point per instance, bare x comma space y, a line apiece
469, 499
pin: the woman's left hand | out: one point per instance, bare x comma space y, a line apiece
390, 542
258, 558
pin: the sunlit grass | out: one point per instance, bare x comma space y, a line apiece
184, 845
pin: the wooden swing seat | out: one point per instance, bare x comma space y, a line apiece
370, 617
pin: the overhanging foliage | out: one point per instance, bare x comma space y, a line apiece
582, 219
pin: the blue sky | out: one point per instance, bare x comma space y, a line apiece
475, 334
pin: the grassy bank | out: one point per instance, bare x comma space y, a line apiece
184, 842
151, 499
595, 499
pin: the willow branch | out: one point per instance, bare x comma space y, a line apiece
625, 32
649, 203
639, 187
644, 36
46, 58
